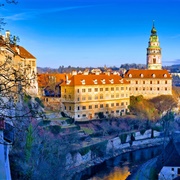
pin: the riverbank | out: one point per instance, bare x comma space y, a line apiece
75, 173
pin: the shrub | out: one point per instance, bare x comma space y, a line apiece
70, 121
123, 138
101, 115
142, 131
158, 128
132, 137
55, 129
27, 98
39, 102
84, 151
63, 114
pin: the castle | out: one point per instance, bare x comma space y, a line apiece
85, 94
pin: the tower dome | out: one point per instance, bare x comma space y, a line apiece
153, 31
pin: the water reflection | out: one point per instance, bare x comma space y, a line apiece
118, 173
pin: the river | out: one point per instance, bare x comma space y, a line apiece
119, 168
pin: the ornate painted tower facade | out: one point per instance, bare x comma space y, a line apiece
154, 51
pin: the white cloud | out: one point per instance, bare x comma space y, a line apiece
32, 13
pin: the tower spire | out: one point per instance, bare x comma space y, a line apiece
153, 23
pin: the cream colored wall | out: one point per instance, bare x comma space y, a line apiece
98, 102
137, 87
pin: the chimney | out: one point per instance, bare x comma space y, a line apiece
7, 37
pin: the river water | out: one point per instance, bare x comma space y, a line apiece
119, 168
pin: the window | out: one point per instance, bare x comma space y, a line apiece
101, 105
33, 63
117, 95
83, 90
158, 89
112, 104
112, 95
90, 106
78, 108
84, 98
143, 88
89, 89
96, 89
107, 89
117, 111
154, 60
150, 82
101, 96
78, 99
69, 96
122, 95
165, 82
107, 105
117, 104
96, 97
77, 90
84, 115
143, 82
136, 89
151, 88
165, 88
122, 103
96, 106
157, 82
122, 88
89, 98
117, 88
136, 82
101, 89
112, 89
69, 108
84, 107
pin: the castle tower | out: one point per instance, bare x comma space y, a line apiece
154, 51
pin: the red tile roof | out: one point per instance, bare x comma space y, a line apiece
22, 52
92, 79
145, 73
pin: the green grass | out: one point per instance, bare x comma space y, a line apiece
87, 130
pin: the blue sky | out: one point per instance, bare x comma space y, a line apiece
94, 32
